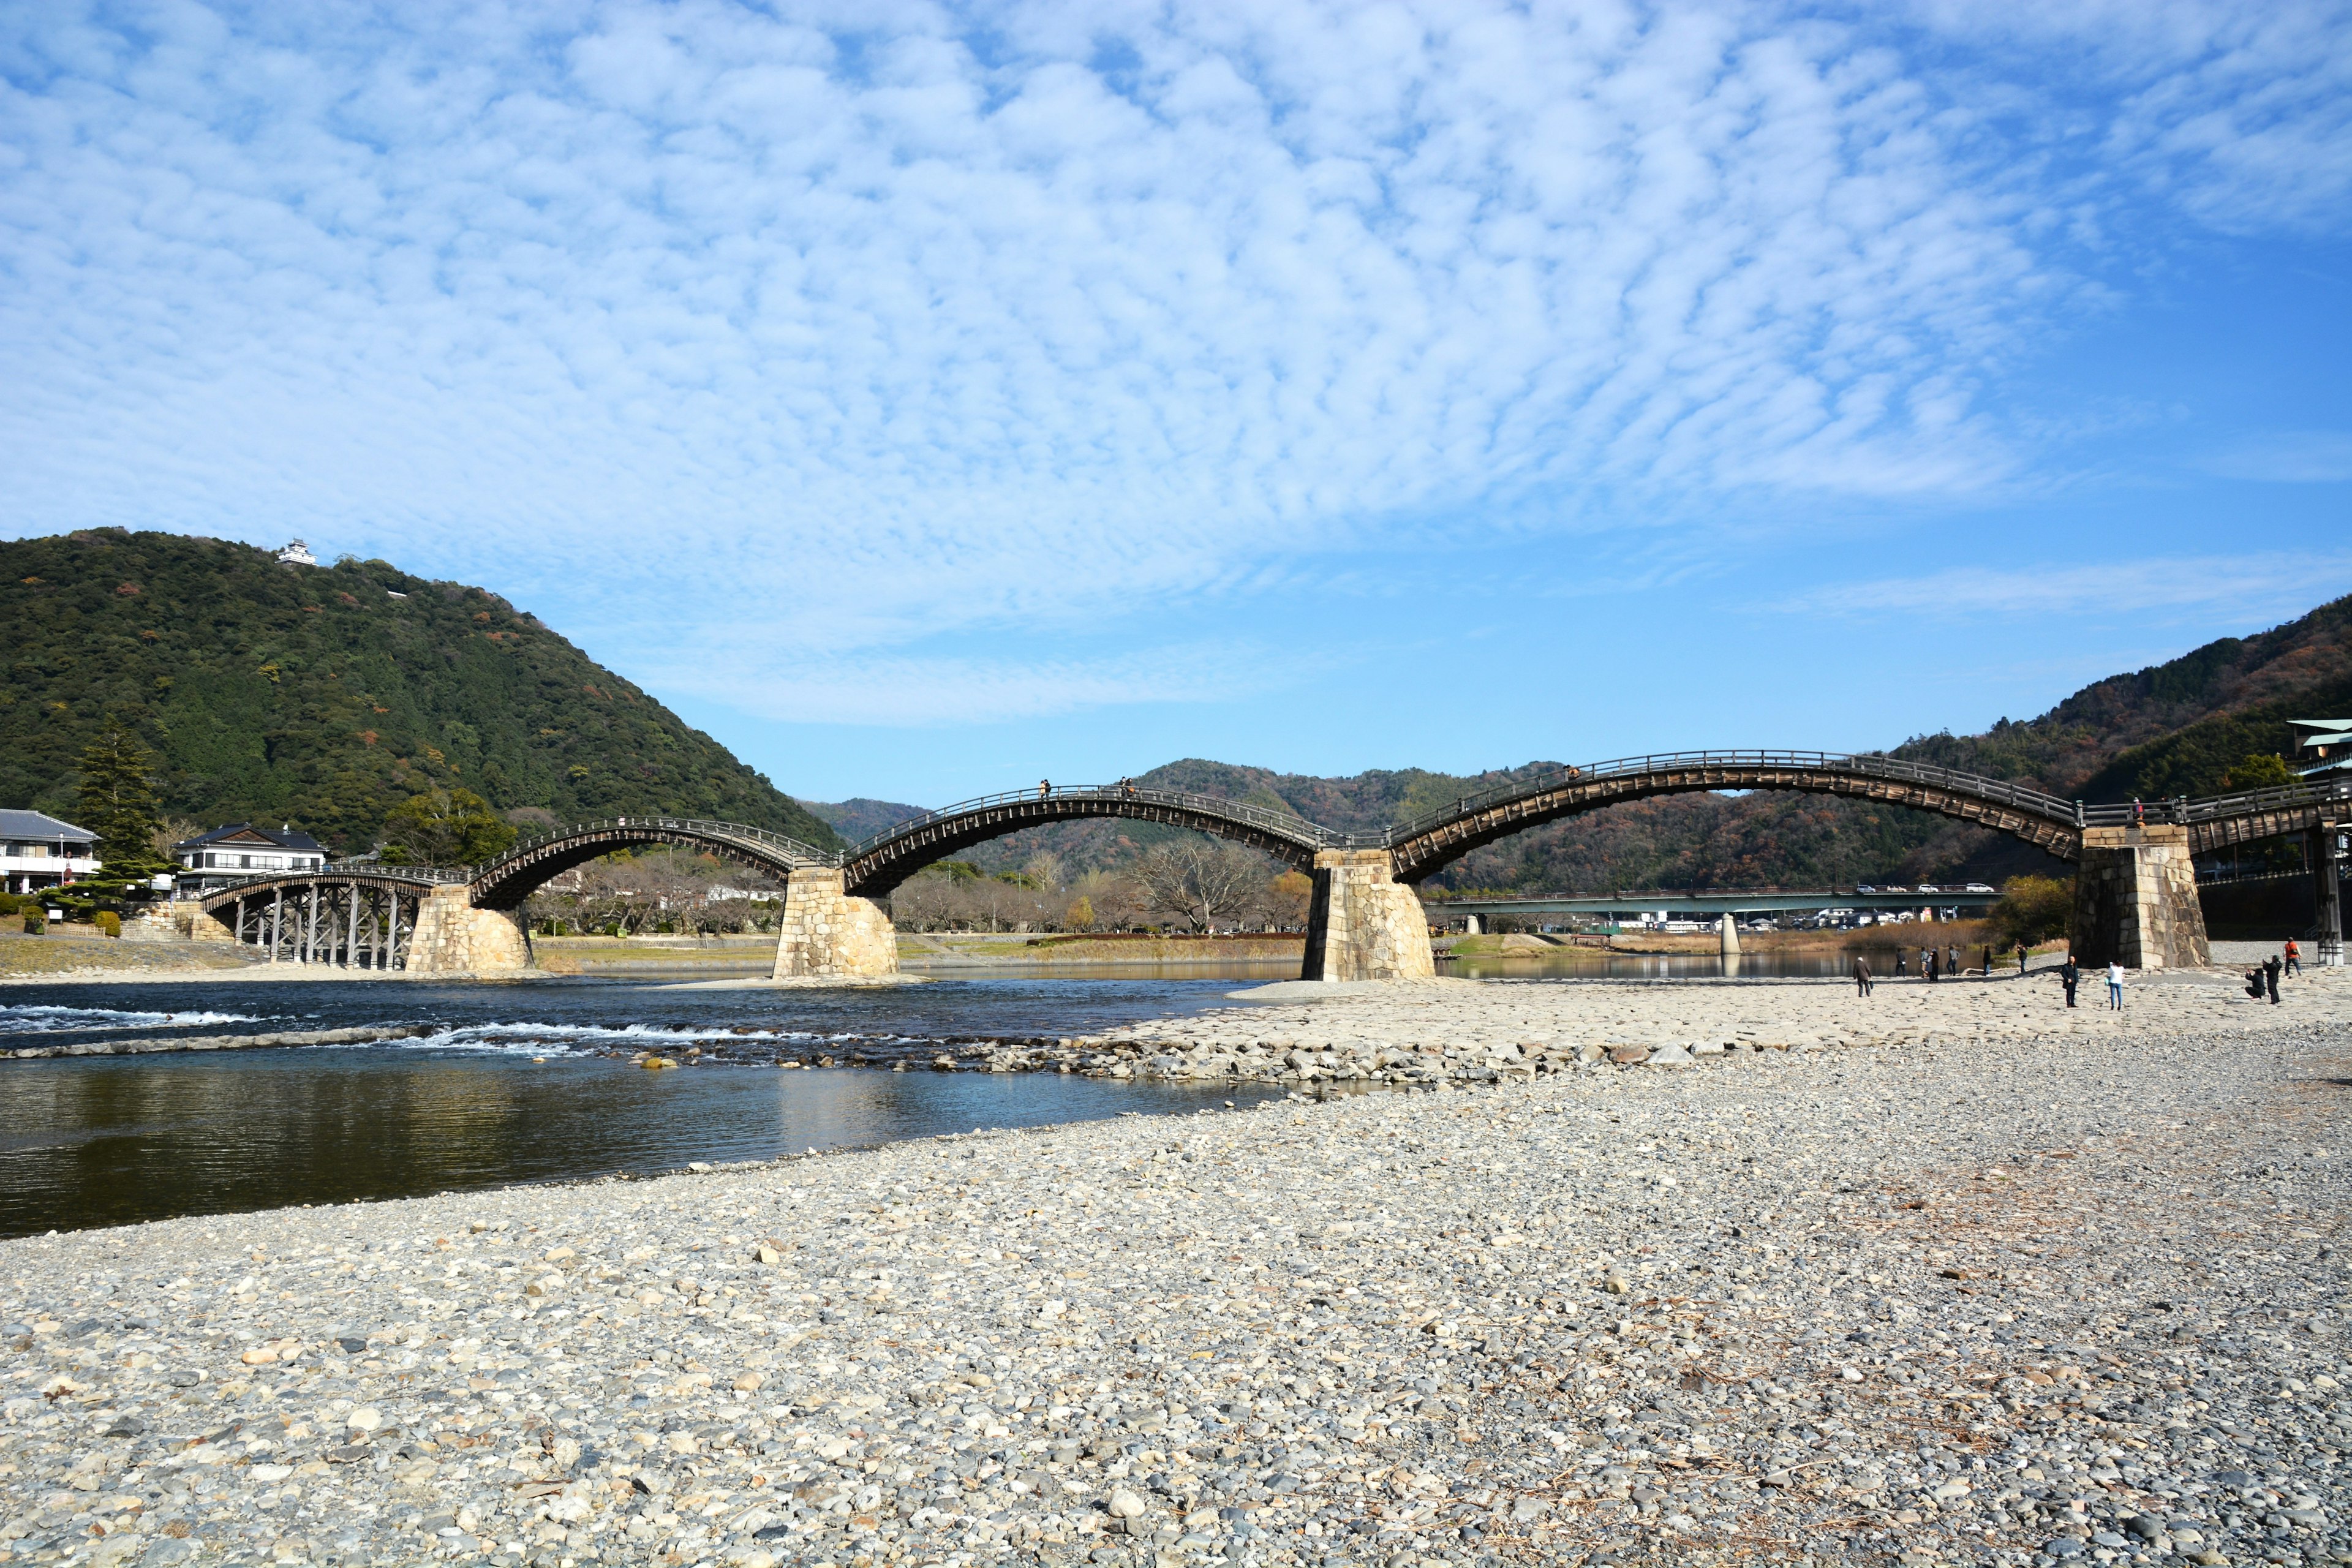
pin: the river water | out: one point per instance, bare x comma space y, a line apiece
521, 1083
533, 1080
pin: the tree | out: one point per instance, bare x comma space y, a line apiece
118, 803
444, 827
1289, 897
2033, 909
2258, 770
1199, 882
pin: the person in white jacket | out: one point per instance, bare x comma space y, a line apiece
2115, 987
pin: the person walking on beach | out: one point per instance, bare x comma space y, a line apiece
1861, 975
2115, 987
2020, 961
2270, 979
1987, 960
1927, 963
2293, 957
1952, 960
1899, 970
2070, 974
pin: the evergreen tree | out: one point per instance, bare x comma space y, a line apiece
444, 827
118, 803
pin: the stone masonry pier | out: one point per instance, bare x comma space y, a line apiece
2136, 901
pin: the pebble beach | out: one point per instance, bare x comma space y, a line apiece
1525, 1272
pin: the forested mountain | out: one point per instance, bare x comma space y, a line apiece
2177, 728
324, 696
861, 818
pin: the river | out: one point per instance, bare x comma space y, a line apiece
521, 1083
533, 1080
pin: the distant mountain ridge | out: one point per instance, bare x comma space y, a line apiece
325, 695
2172, 729
859, 820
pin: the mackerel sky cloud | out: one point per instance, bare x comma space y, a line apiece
914, 393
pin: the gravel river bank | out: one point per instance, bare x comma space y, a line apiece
1967, 1296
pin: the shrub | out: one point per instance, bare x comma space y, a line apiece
2260, 770
2033, 909
36, 922
109, 923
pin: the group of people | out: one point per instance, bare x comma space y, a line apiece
2069, 973
1934, 966
2262, 980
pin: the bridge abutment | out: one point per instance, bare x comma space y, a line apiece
453, 937
2136, 901
1364, 924
829, 934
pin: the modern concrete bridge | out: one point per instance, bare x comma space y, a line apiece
1715, 902
2137, 897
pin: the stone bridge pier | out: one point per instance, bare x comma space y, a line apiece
829, 933
1364, 924
453, 937
2136, 901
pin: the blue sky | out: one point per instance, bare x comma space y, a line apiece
923, 399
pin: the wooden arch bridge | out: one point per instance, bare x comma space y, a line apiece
2136, 887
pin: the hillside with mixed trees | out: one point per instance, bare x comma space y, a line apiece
329, 697
2183, 727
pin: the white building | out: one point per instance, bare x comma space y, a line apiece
38, 851
297, 553
241, 849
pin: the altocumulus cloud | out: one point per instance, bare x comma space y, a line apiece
917, 320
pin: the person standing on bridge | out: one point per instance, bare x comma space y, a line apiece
1862, 981
2115, 985
1044, 788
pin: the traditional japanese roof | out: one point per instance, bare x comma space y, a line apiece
245, 833
35, 825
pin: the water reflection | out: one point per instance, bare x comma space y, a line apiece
1596, 963
86, 1143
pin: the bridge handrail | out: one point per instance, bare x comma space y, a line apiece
425, 875
791, 849
2184, 810
1288, 824
2033, 800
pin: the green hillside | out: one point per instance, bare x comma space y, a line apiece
324, 696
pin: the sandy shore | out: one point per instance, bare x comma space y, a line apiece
1958, 1297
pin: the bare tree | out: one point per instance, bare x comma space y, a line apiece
1200, 883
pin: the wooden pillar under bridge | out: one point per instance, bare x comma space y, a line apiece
311, 927
240, 917
2328, 936
352, 931
277, 921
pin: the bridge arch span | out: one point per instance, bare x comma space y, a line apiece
873, 868
1425, 846
504, 881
